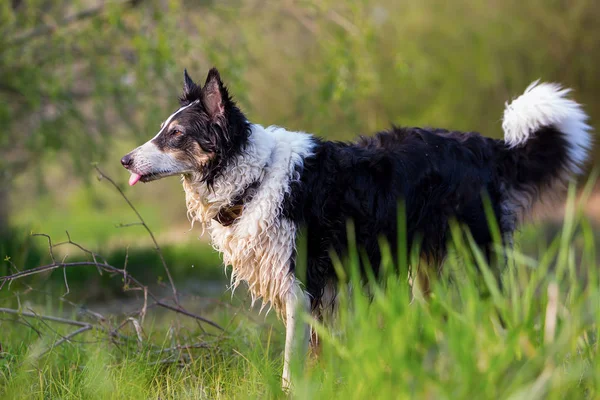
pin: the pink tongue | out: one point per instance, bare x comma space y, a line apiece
134, 178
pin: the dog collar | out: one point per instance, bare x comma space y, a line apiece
227, 215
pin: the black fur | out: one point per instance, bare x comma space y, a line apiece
215, 123
440, 175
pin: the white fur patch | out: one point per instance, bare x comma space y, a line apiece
546, 104
168, 120
260, 244
150, 159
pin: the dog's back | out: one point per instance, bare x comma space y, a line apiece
438, 176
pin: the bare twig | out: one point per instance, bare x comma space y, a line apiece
66, 281
107, 267
83, 327
43, 317
91, 253
50, 245
145, 307
67, 338
143, 223
53, 266
189, 314
26, 323
128, 225
80, 247
136, 326
98, 321
81, 310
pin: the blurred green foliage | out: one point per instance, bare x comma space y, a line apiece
69, 80
87, 80
72, 74
341, 68
72, 71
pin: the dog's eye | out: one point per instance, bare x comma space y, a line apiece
175, 132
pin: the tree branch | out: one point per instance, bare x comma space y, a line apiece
44, 317
99, 322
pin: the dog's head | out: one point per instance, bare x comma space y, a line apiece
200, 138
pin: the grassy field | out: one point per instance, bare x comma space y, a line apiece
533, 337
80, 85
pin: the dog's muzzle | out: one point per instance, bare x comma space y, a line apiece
127, 162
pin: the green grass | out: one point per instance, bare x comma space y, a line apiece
533, 337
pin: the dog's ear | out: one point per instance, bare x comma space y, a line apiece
191, 91
214, 95
188, 84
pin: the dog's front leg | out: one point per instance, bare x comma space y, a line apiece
296, 331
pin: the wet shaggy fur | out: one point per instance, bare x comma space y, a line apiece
439, 174
222, 130
288, 182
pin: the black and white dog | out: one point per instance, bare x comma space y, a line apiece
253, 188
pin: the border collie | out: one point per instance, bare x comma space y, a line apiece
254, 188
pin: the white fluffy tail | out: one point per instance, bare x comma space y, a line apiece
547, 105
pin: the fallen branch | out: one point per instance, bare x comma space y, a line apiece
126, 276
66, 338
98, 322
43, 317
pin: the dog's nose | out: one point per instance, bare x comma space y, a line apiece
127, 160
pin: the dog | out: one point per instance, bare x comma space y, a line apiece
255, 189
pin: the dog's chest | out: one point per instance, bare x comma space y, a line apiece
259, 246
